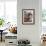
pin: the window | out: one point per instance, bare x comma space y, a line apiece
44, 16
11, 11
8, 11
1, 9
43, 12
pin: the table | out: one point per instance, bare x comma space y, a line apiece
10, 39
1, 34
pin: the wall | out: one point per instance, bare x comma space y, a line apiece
31, 32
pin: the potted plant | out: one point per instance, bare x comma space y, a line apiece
1, 22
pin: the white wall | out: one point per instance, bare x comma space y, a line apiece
31, 32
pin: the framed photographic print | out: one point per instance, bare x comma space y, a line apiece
28, 16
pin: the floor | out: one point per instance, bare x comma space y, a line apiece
34, 44
2, 43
